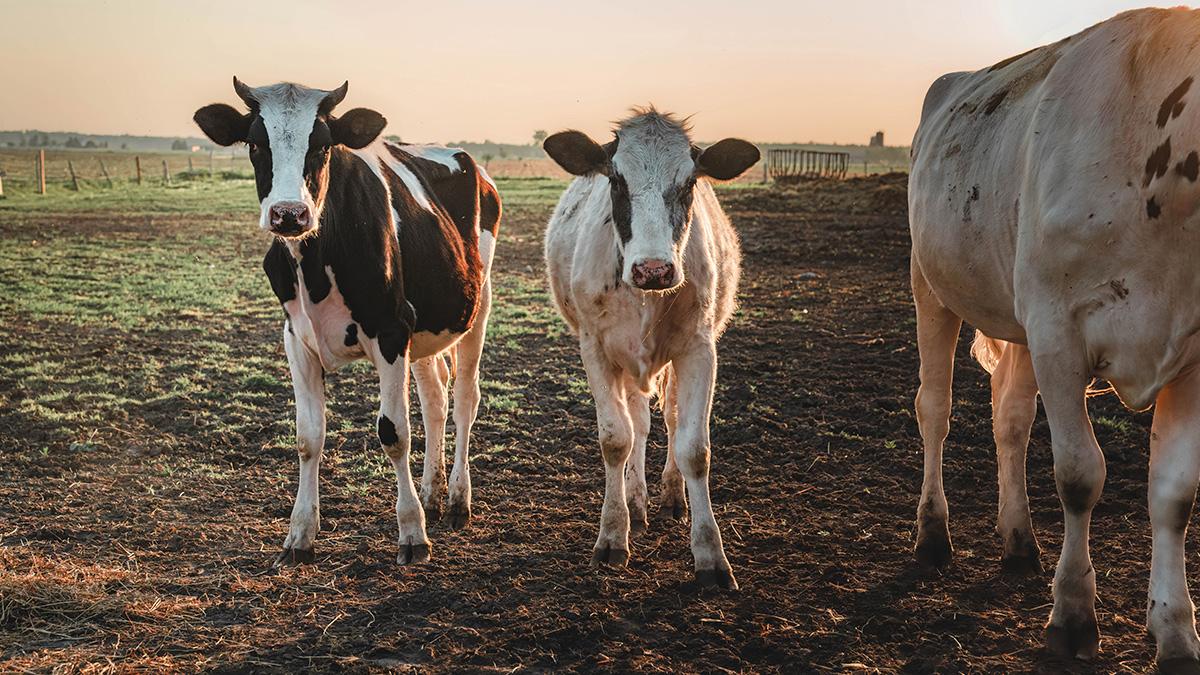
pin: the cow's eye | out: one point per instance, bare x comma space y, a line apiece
253, 147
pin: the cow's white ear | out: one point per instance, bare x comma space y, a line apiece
727, 159
357, 129
577, 153
223, 124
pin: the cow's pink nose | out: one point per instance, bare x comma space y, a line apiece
290, 218
653, 275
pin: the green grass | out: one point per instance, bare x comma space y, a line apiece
138, 318
217, 197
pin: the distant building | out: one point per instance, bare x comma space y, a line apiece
877, 140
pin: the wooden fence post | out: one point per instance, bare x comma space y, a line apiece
1, 183
212, 171
191, 168
41, 172
74, 179
137, 163
166, 173
104, 170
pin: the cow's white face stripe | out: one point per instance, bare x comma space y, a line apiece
288, 115
654, 158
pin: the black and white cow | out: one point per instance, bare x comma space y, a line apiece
381, 251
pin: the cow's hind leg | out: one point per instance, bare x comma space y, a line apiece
1063, 371
396, 438
616, 444
673, 498
466, 409
432, 376
308, 382
635, 469
1014, 406
1174, 473
937, 335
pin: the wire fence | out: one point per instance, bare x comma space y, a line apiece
78, 170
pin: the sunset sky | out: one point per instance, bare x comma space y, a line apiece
767, 70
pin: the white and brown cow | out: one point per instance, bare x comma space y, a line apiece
381, 252
644, 266
1055, 206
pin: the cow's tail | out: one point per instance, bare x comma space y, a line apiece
987, 351
662, 384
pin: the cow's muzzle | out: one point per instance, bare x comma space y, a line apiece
654, 275
290, 219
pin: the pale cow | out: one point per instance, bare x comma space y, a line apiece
1055, 207
644, 265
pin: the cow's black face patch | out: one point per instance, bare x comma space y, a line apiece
679, 206
622, 206
258, 141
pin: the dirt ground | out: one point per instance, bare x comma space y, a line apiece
147, 544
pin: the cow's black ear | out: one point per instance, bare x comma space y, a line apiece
358, 128
222, 123
727, 159
578, 154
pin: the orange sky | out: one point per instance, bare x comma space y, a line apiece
445, 70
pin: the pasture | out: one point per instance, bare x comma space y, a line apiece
146, 424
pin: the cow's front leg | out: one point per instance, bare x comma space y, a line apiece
395, 437
616, 443
697, 371
308, 382
1174, 473
432, 376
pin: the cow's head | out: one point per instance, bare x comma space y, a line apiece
652, 168
290, 131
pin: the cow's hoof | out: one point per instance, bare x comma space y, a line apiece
671, 511
609, 556
1027, 563
433, 513
413, 554
1075, 639
458, 516
934, 551
638, 525
294, 556
1180, 666
716, 577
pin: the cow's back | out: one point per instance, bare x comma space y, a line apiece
1058, 184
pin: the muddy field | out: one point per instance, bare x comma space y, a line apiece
145, 421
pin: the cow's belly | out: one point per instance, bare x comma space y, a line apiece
969, 265
425, 343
